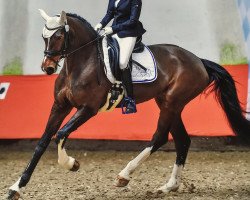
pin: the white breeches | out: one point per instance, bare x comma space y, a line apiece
126, 45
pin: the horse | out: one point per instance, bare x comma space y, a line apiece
83, 84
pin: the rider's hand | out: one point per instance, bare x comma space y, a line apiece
108, 30
98, 27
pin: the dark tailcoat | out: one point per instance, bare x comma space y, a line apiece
126, 18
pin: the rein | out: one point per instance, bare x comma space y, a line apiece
92, 41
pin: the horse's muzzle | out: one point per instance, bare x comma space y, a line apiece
50, 70
49, 66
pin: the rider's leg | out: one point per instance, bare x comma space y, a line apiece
126, 45
126, 48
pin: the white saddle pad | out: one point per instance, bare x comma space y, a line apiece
139, 75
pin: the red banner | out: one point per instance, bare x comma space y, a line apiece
25, 103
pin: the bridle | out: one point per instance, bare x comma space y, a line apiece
63, 52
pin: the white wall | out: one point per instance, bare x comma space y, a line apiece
1, 25
13, 28
244, 9
200, 26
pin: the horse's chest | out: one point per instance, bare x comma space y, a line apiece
65, 94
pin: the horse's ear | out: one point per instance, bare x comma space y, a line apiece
63, 17
44, 15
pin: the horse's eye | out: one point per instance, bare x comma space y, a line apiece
58, 35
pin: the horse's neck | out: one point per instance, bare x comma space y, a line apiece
81, 59
86, 64
80, 62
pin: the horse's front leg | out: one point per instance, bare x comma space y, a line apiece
57, 115
80, 117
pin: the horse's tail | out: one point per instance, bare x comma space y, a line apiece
226, 94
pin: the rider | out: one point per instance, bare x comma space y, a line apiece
126, 28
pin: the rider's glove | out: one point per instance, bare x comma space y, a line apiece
98, 27
108, 30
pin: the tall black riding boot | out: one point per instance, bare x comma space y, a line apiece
129, 102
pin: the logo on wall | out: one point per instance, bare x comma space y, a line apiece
3, 90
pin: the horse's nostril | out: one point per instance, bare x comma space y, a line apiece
50, 70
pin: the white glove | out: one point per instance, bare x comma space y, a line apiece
108, 30
98, 27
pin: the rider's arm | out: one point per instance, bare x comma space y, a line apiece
109, 15
134, 17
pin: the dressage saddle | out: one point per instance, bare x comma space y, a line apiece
114, 52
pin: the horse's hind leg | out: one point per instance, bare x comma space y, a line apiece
170, 110
182, 143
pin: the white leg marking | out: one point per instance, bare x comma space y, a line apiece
64, 160
133, 164
15, 187
174, 181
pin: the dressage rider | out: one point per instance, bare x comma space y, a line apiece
126, 28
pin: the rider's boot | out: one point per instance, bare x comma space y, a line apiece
128, 105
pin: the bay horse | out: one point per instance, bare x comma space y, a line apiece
82, 84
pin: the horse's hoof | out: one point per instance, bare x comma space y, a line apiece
165, 189
75, 167
121, 182
13, 195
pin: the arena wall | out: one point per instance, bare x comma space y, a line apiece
208, 28
25, 110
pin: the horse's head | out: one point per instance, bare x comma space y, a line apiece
55, 35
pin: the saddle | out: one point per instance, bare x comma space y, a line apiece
141, 56
114, 51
